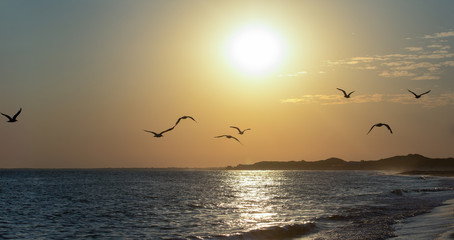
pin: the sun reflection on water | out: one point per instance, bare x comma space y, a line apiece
254, 192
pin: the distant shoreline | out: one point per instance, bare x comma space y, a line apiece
411, 163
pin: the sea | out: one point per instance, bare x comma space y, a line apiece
223, 204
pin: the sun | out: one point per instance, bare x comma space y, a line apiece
256, 50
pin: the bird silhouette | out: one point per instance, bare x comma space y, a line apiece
158, 135
418, 95
239, 130
14, 118
228, 136
345, 94
184, 117
380, 125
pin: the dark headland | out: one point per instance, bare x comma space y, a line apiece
409, 164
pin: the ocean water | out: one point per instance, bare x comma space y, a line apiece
152, 204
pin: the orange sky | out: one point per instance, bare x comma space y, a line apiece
91, 76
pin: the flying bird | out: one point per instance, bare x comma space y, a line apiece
239, 130
380, 125
345, 94
14, 118
228, 136
184, 117
158, 135
418, 95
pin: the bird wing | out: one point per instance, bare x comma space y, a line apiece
7, 116
235, 139
236, 128
342, 91
150, 132
17, 114
184, 117
177, 121
389, 128
350, 93
170, 129
413, 92
228, 136
246, 129
191, 118
425, 92
371, 128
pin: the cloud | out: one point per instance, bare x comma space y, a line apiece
448, 63
424, 62
301, 73
413, 66
389, 74
440, 51
398, 63
435, 56
414, 49
293, 74
364, 59
440, 35
333, 99
426, 77
443, 99
428, 101
441, 47
368, 68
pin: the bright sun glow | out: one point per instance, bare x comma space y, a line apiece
256, 50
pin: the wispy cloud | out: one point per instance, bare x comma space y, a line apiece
440, 35
396, 73
426, 77
293, 74
301, 73
442, 47
414, 49
429, 101
333, 99
425, 62
449, 63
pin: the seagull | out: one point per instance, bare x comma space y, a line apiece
158, 135
239, 131
13, 119
228, 136
184, 117
345, 94
418, 96
380, 125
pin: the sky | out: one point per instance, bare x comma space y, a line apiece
91, 76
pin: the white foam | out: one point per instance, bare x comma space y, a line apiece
437, 224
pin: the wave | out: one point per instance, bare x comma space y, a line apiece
272, 232
400, 191
337, 217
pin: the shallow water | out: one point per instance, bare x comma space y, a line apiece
437, 224
150, 204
